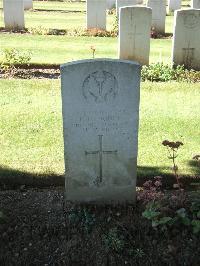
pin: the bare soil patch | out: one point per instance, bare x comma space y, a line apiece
39, 229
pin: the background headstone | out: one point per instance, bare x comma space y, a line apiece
123, 3
186, 40
110, 4
13, 14
134, 33
100, 102
158, 14
173, 5
96, 14
28, 4
195, 4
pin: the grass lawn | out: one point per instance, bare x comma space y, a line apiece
31, 126
60, 49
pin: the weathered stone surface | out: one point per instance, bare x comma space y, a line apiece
173, 5
100, 102
13, 14
186, 41
134, 33
195, 4
158, 14
28, 4
123, 3
96, 14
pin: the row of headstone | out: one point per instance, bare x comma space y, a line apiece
134, 36
186, 40
96, 11
158, 14
101, 109
195, 4
14, 13
174, 5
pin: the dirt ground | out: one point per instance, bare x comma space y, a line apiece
37, 228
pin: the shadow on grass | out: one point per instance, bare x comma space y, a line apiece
12, 178
195, 166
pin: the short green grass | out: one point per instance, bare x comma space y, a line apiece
59, 49
31, 125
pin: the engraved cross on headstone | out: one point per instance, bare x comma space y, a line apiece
100, 152
188, 55
133, 36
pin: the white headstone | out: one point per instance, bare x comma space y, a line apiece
123, 3
195, 4
134, 33
140, 2
96, 14
100, 103
174, 5
158, 14
28, 4
13, 14
186, 41
110, 4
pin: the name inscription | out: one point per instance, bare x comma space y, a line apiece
102, 121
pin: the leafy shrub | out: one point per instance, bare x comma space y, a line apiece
169, 210
157, 72
12, 58
39, 31
163, 73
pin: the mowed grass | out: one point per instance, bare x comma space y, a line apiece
61, 49
31, 126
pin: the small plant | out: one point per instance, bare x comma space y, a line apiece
151, 190
153, 213
162, 215
113, 240
157, 72
154, 33
161, 72
82, 218
93, 49
172, 148
12, 59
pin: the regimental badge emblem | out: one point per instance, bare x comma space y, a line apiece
100, 87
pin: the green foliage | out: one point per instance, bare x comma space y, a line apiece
195, 209
38, 30
82, 218
162, 72
155, 211
115, 25
157, 72
114, 240
13, 57
2, 217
